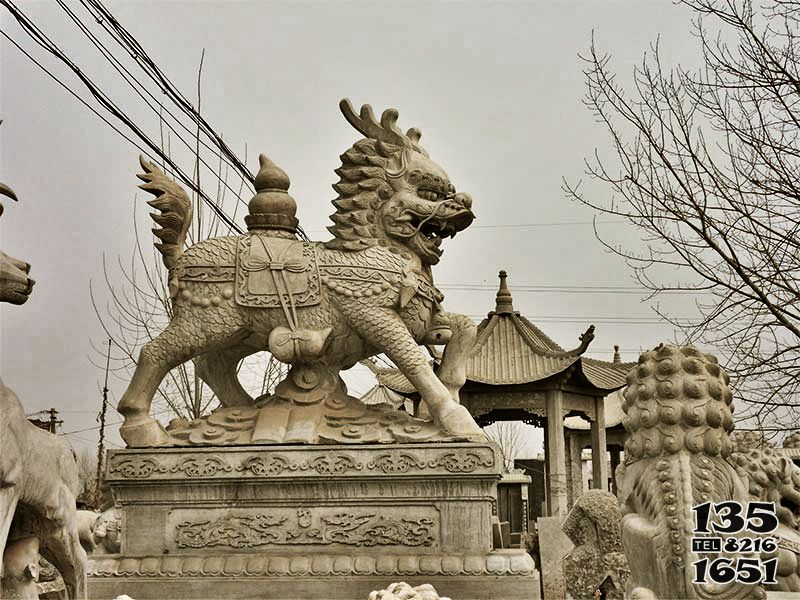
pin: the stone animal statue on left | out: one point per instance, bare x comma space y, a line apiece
38, 481
319, 307
15, 284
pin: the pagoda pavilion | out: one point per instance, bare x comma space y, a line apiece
517, 373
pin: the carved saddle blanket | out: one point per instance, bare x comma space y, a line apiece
273, 272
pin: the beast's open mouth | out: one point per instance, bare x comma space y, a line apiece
435, 232
435, 228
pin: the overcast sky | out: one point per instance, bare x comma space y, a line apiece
495, 87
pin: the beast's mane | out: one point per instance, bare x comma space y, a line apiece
362, 187
363, 177
677, 399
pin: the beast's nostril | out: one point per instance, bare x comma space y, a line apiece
464, 199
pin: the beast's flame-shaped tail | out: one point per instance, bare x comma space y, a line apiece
175, 211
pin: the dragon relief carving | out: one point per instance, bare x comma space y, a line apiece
307, 527
320, 307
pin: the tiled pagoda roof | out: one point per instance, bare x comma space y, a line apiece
511, 350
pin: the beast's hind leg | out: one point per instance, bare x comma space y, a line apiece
383, 329
179, 342
218, 370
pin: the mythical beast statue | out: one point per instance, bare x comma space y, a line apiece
680, 453
38, 481
678, 416
320, 307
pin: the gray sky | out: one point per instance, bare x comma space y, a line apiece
495, 87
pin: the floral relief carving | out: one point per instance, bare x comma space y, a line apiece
271, 465
136, 468
202, 467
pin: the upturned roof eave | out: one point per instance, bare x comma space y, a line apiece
541, 376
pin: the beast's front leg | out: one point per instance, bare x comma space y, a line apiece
383, 329
452, 370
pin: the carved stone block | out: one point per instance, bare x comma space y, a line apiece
308, 522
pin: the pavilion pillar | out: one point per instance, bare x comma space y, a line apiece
574, 466
599, 462
614, 451
556, 454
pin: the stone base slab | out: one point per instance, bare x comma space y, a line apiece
499, 575
284, 522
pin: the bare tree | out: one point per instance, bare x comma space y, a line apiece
509, 435
707, 169
87, 475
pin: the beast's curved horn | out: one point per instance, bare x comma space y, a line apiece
7, 191
367, 124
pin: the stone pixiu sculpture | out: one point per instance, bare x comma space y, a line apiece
320, 307
598, 559
38, 482
678, 417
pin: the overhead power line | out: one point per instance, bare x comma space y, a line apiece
41, 39
564, 289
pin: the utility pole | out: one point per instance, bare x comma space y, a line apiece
54, 422
100, 443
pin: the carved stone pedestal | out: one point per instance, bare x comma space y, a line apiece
308, 522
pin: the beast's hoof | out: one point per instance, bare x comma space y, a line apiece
457, 421
143, 433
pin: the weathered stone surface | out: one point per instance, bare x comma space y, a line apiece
594, 526
334, 419
678, 418
554, 545
317, 521
318, 307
